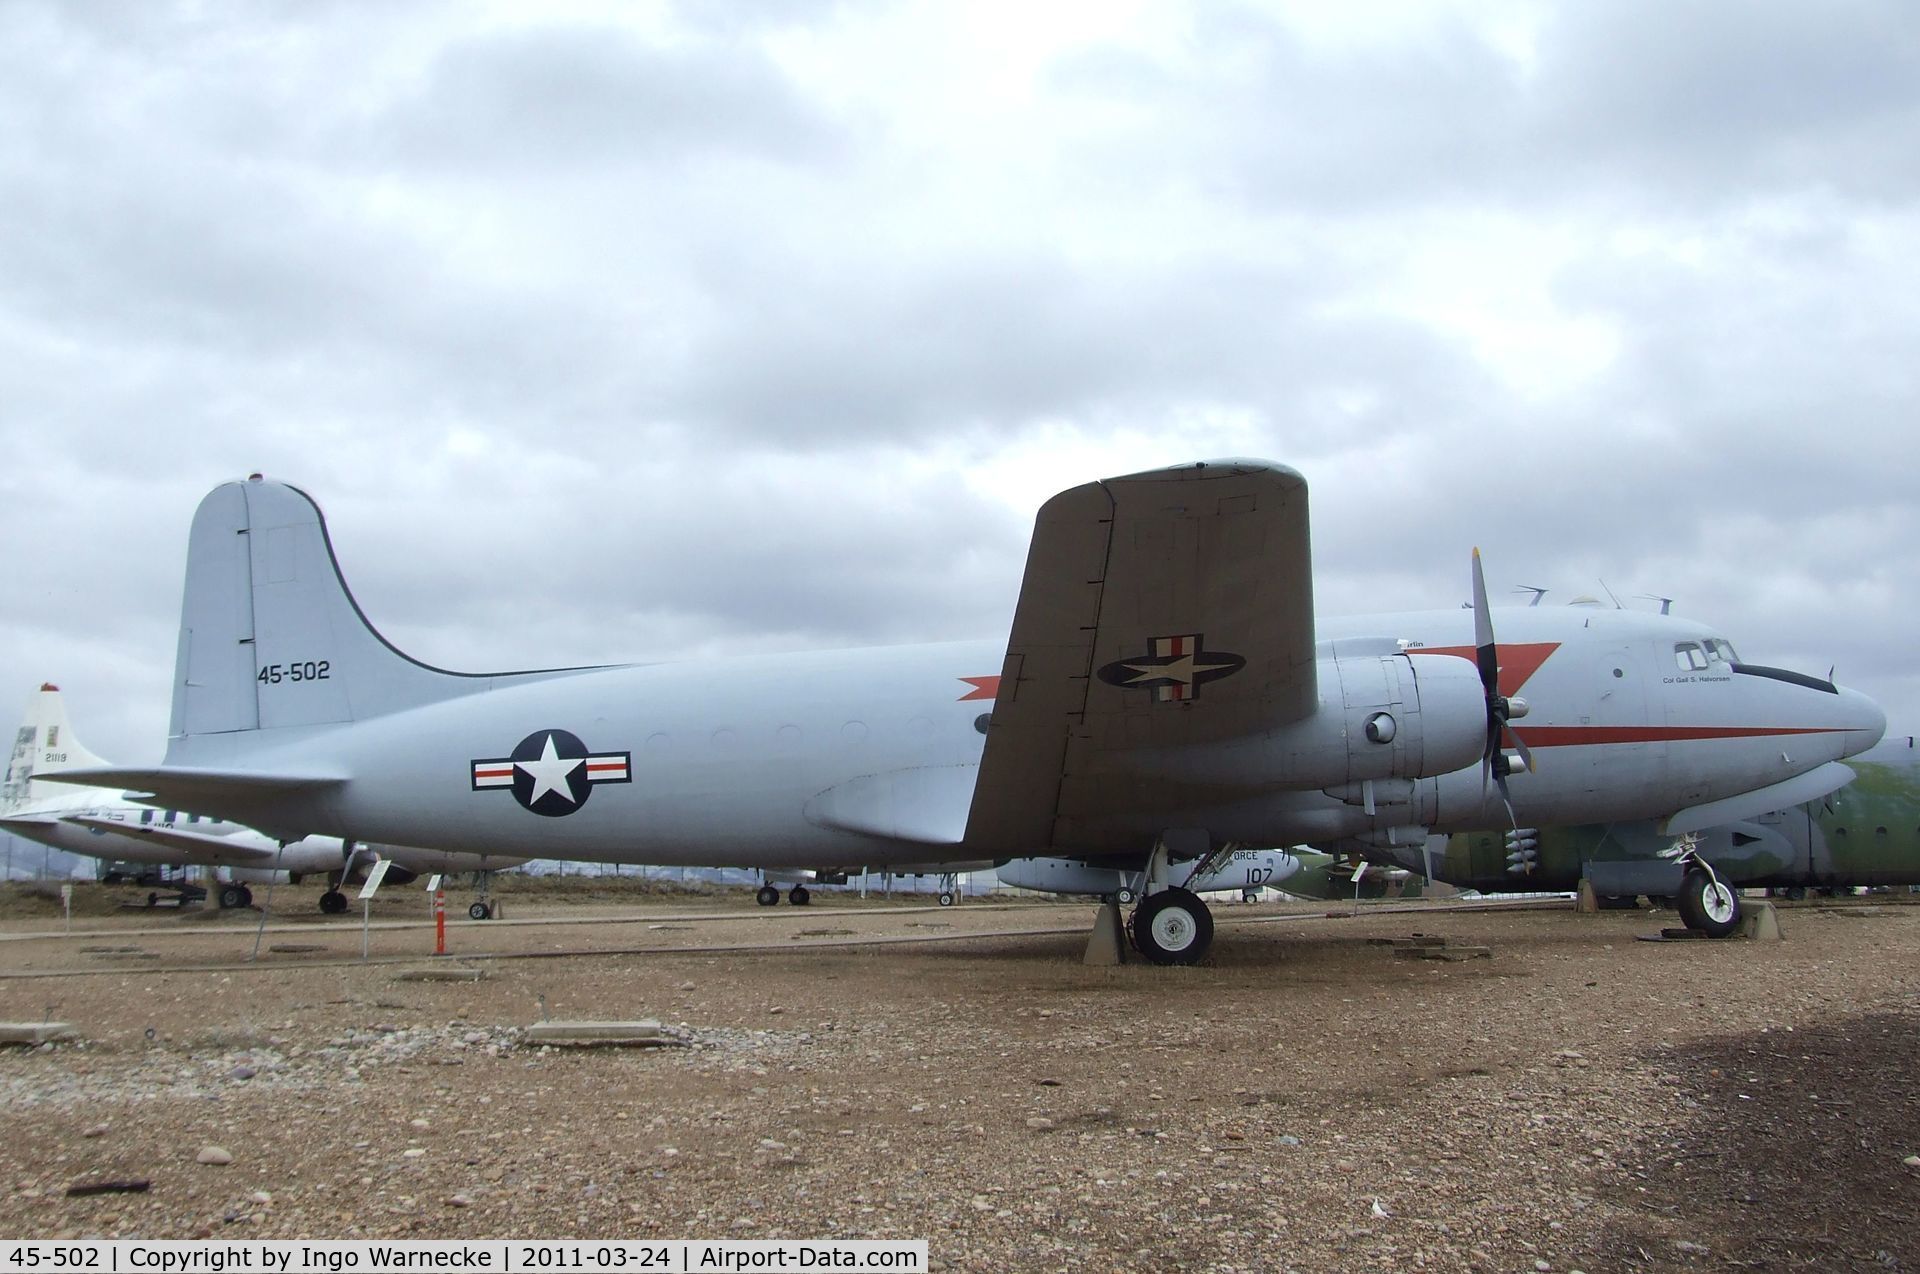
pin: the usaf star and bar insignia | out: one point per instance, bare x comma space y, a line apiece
552, 773
1174, 668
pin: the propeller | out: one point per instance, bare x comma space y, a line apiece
1501, 710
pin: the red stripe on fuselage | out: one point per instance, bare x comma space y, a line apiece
1573, 736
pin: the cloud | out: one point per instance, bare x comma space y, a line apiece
606, 332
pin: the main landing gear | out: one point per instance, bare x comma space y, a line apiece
333, 903
235, 896
949, 888
1171, 925
768, 896
482, 908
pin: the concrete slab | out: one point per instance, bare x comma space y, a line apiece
34, 1034
645, 1033
438, 974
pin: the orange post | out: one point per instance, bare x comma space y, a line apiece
439, 922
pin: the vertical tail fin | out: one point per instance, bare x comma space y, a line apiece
270, 636
44, 743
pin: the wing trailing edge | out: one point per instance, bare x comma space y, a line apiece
194, 846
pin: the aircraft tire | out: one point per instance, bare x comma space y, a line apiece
799, 895
946, 897
479, 911
230, 898
1712, 907
768, 896
1173, 927
333, 903
1125, 896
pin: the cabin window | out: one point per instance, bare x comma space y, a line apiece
1689, 657
146, 816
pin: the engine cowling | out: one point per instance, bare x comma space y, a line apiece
1380, 716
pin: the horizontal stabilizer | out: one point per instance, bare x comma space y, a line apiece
281, 805
180, 785
1815, 783
198, 847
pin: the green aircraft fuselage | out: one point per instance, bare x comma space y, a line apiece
1868, 833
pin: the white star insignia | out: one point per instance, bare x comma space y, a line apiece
1183, 670
550, 772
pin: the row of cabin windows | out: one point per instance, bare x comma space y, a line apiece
171, 816
1698, 656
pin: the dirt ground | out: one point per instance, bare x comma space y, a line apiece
1305, 1101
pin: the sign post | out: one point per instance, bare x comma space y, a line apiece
439, 916
367, 891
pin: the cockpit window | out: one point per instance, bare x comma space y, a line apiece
1689, 657
1721, 651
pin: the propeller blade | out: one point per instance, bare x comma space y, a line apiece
1520, 746
1486, 657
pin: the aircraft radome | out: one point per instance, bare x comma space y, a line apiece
102, 824
1164, 696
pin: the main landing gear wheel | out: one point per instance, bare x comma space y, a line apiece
768, 896
235, 896
1708, 904
946, 897
333, 902
1173, 927
479, 911
799, 896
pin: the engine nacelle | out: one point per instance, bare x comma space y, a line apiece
1381, 716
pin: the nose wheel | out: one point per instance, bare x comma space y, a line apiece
1709, 904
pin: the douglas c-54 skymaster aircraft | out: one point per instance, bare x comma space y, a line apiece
1162, 699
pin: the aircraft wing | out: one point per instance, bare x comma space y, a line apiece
1158, 611
195, 847
1822, 780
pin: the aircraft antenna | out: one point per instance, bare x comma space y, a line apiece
1535, 589
1610, 596
1666, 603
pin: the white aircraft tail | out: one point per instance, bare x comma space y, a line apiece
44, 745
270, 636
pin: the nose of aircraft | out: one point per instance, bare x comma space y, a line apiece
1862, 720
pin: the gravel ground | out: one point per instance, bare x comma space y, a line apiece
1307, 1101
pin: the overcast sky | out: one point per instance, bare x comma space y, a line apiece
619, 332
